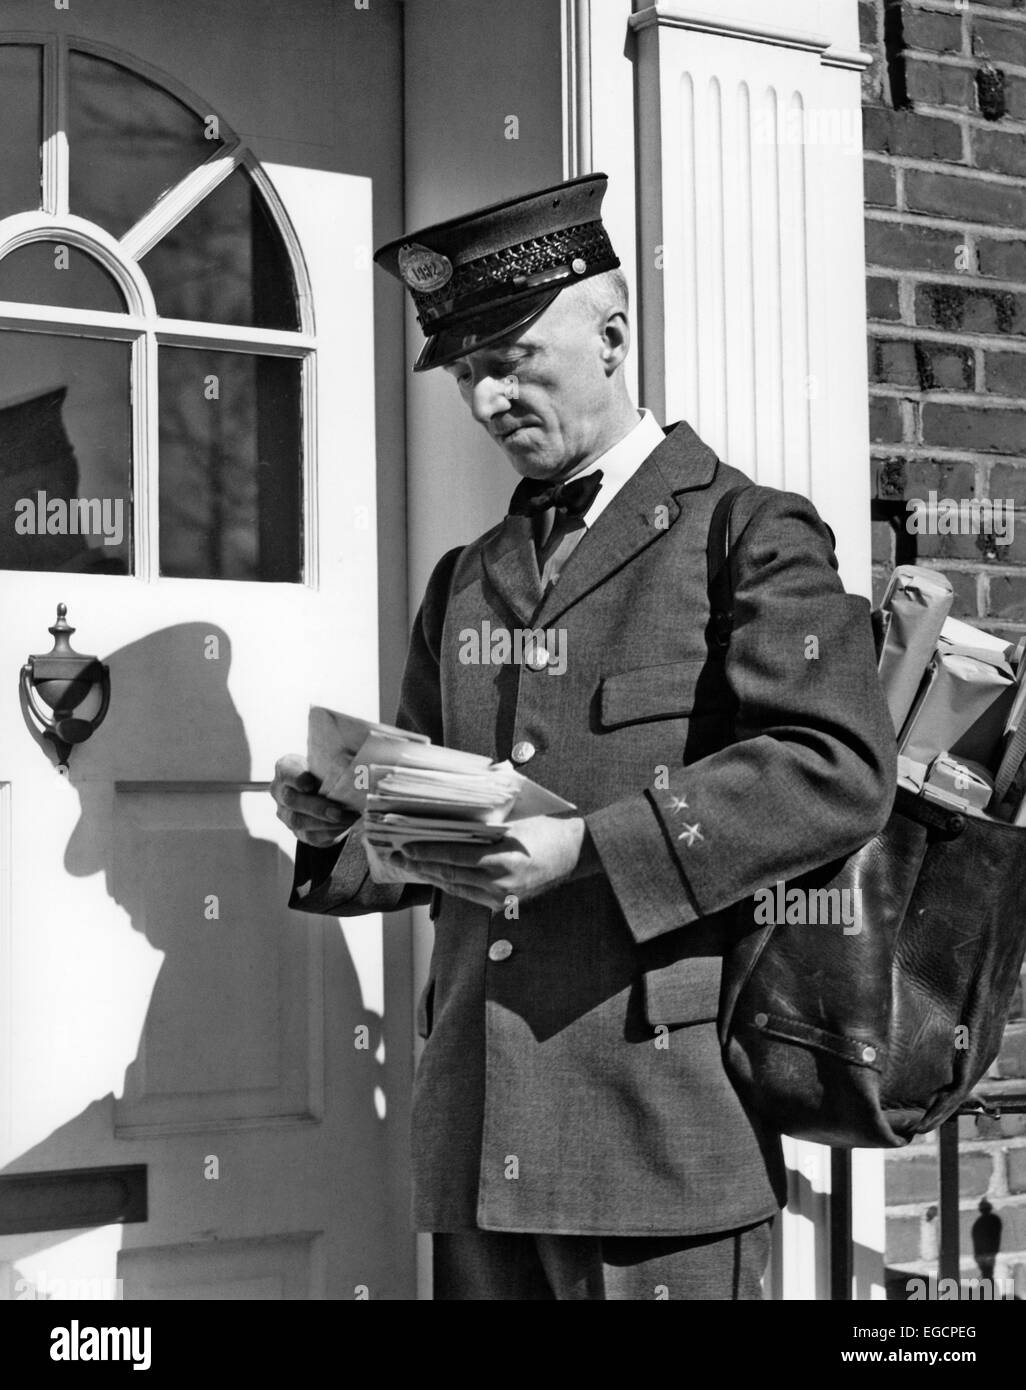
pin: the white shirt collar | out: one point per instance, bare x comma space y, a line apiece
621, 462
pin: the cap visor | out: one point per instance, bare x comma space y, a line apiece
481, 330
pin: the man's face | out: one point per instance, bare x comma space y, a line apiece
551, 421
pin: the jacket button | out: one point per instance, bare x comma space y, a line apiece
500, 950
539, 659
523, 752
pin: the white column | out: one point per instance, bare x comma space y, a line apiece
751, 254
868, 1225
800, 1267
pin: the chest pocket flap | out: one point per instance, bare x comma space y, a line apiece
651, 692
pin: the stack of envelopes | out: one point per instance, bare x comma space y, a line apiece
408, 788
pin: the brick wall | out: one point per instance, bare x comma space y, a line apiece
945, 178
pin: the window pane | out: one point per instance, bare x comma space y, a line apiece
230, 466
52, 272
65, 454
21, 128
129, 142
225, 263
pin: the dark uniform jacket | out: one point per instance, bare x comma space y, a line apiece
571, 1079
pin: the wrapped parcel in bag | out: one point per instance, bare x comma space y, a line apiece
965, 784
913, 608
962, 708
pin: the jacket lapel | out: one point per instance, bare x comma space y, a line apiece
511, 564
642, 511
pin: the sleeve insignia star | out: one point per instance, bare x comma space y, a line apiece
691, 833
678, 804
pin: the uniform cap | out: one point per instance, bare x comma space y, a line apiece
477, 278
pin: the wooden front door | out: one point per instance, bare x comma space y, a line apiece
187, 462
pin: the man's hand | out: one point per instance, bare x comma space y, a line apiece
540, 853
312, 818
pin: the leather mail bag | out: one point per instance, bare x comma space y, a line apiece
873, 1027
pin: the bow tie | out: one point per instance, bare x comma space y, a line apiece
571, 499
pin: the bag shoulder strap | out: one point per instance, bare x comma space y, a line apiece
721, 581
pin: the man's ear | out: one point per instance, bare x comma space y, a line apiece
616, 340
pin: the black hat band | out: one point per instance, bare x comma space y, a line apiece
575, 253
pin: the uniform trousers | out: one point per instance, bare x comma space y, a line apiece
724, 1266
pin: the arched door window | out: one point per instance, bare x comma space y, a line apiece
156, 335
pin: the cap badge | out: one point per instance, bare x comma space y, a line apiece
423, 269
578, 265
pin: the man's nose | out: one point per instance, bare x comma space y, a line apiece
491, 396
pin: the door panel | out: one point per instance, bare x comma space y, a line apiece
203, 886
261, 1270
